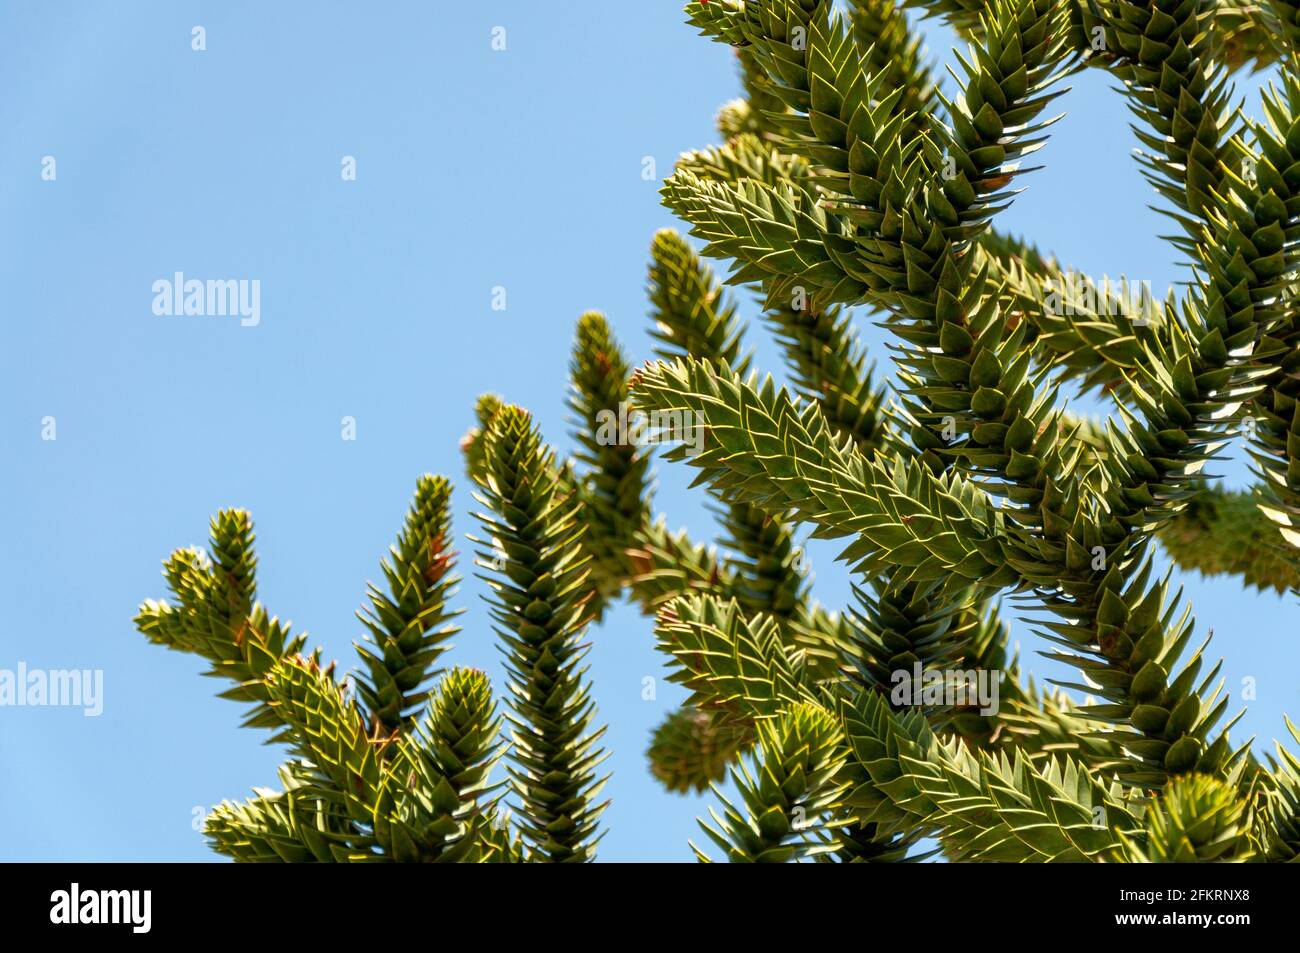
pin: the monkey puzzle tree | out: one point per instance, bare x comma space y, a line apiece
849, 179
399, 768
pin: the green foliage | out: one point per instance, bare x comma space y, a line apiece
1278, 822
849, 182
1245, 544
1198, 819
398, 770
214, 615
977, 482
407, 624
691, 313
539, 604
612, 486
983, 807
691, 748
794, 782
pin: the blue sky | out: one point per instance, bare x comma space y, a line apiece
475, 169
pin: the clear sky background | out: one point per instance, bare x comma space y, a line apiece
475, 169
